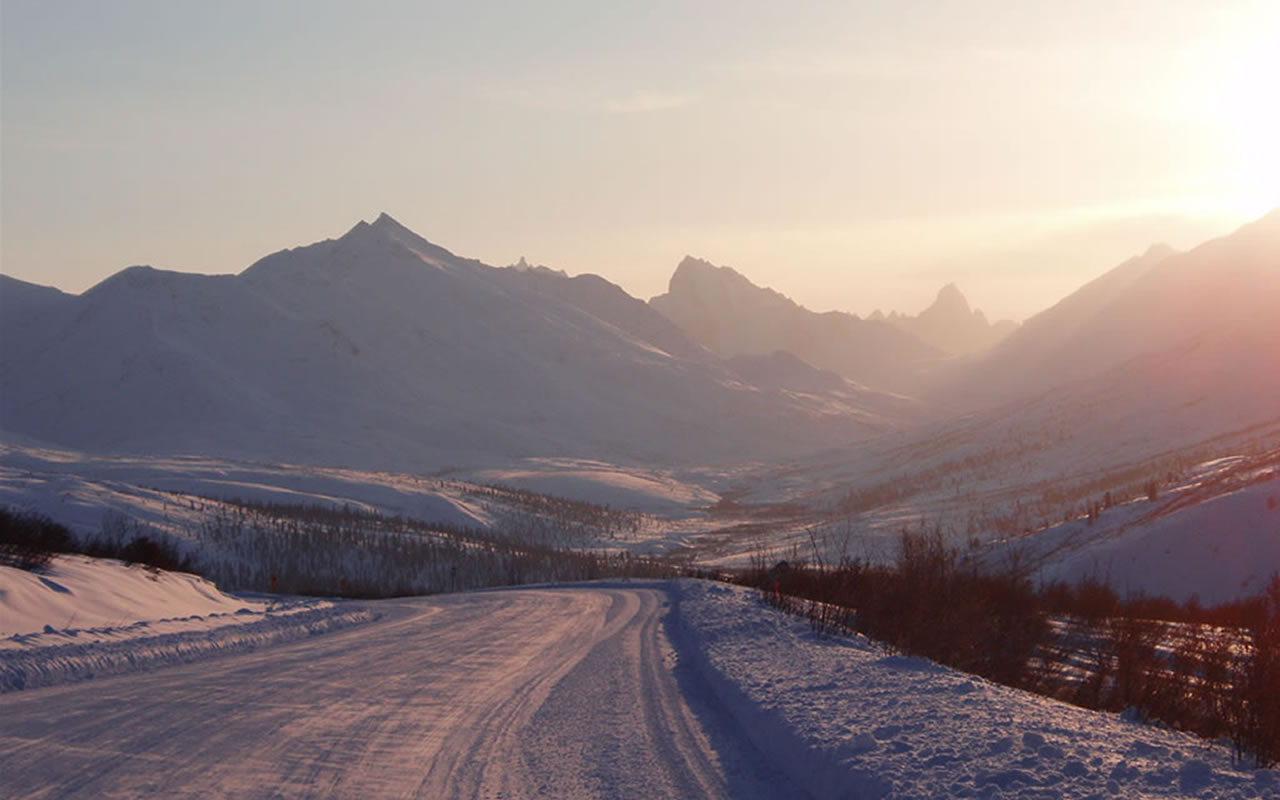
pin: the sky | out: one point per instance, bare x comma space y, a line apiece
852, 155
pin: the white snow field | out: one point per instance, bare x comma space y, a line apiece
1221, 549
168, 493
83, 618
80, 592
644, 690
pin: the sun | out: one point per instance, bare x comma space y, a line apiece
1242, 105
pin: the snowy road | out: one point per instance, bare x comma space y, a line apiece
556, 692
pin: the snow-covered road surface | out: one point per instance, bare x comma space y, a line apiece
686, 689
548, 692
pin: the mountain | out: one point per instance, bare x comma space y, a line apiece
1052, 334
950, 326
1175, 347
1221, 293
381, 349
730, 315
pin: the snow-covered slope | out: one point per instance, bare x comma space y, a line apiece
725, 311
380, 349
190, 501
1216, 543
1206, 317
76, 489
1223, 550
78, 592
1165, 353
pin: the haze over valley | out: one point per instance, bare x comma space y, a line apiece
746, 402
378, 350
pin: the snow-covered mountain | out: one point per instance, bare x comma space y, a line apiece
722, 309
950, 325
381, 349
1194, 335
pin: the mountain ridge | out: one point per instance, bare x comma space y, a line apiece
381, 348
722, 309
1181, 344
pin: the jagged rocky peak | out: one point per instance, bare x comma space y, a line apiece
951, 300
364, 244
729, 315
387, 223
952, 325
692, 263
384, 224
356, 230
696, 280
524, 266
694, 272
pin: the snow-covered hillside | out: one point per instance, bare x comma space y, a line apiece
381, 350
1216, 543
1199, 325
427, 374
188, 500
1020, 483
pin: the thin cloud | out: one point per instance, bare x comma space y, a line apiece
648, 102
831, 65
561, 98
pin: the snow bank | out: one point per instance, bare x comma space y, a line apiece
88, 617
860, 722
80, 592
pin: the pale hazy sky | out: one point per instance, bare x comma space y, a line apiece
852, 155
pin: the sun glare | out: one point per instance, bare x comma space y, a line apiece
1243, 110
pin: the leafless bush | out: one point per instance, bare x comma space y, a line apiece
30, 541
1211, 671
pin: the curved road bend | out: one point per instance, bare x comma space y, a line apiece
562, 692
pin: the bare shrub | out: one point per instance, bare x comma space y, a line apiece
30, 541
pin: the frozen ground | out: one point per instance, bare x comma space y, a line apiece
614, 690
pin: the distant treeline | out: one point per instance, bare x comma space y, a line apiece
321, 550
30, 541
549, 514
353, 552
1061, 499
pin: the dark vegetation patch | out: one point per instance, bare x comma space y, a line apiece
1210, 671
